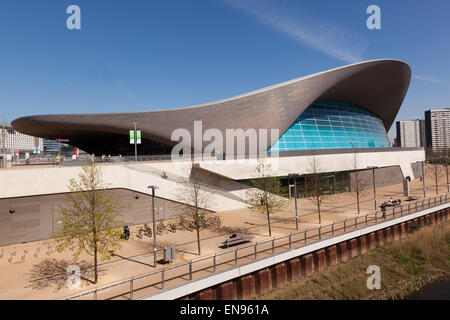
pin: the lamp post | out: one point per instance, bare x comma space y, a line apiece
295, 198
423, 179
446, 170
135, 142
4, 143
356, 175
154, 222
374, 187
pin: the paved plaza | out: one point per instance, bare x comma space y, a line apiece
36, 271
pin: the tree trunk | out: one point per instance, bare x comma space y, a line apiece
357, 199
436, 178
357, 186
268, 221
198, 240
437, 189
95, 234
318, 209
316, 180
95, 264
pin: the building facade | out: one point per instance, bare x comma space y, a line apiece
332, 123
15, 142
410, 133
344, 108
437, 128
55, 147
334, 112
51, 146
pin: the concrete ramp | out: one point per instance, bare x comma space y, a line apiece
22, 182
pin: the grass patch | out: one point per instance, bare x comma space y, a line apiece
406, 265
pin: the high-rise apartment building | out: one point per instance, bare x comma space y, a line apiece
437, 128
410, 133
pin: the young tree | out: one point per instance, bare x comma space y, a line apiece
266, 196
197, 196
429, 154
440, 166
320, 186
89, 218
436, 171
357, 182
445, 156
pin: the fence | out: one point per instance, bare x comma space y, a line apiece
146, 284
86, 158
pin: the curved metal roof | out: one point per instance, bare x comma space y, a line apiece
378, 86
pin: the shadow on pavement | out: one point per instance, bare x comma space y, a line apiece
53, 273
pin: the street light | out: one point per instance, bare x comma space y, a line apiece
374, 186
154, 222
446, 169
423, 179
295, 197
4, 143
356, 175
135, 142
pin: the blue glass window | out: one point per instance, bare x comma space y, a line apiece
333, 124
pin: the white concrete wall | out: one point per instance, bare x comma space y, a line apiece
245, 169
138, 176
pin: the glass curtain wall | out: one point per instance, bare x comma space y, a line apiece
333, 125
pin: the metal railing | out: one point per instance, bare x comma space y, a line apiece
84, 159
202, 267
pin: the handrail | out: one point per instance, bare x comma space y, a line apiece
258, 247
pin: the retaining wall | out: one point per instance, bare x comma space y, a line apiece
278, 275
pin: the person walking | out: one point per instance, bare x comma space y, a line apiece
383, 210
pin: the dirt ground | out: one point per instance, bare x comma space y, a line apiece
36, 271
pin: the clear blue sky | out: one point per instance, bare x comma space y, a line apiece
144, 55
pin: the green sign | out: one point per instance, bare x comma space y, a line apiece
131, 136
138, 136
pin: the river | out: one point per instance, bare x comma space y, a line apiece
438, 290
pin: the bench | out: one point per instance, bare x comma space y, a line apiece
394, 204
235, 241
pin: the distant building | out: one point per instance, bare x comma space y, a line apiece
51, 146
15, 142
410, 133
437, 128
55, 147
